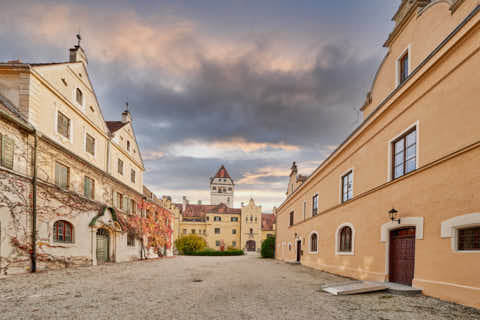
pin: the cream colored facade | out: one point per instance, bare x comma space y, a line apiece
439, 100
77, 183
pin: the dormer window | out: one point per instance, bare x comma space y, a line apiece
403, 67
79, 96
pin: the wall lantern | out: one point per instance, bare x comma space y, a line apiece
393, 215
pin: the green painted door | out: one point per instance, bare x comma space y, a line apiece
102, 246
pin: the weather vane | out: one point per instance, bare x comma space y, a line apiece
79, 38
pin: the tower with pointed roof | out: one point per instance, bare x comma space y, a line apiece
222, 188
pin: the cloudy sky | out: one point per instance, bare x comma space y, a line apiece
250, 84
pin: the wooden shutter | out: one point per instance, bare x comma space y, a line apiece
8, 148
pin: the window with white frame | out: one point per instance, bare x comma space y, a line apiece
63, 125
404, 153
89, 187
314, 242
315, 205
403, 67
347, 186
468, 239
62, 175
90, 144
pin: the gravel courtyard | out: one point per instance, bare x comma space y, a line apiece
204, 288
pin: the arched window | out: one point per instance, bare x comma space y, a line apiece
79, 96
63, 231
128, 145
346, 239
251, 230
313, 242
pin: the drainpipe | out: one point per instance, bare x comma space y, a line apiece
34, 205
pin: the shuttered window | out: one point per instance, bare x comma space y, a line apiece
63, 125
7, 148
89, 187
62, 175
90, 144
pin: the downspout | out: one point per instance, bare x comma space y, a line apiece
34, 204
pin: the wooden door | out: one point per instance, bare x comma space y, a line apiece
102, 246
299, 250
251, 246
402, 256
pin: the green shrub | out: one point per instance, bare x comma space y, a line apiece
268, 248
190, 244
211, 252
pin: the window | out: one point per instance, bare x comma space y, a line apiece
62, 231
120, 166
234, 219
132, 176
89, 187
315, 205
214, 188
217, 243
346, 239
234, 231
131, 240
128, 145
251, 231
63, 125
217, 218
133, 206
234, 243
62, 175
469, 239
184, 231
314, 242
291, 218
79, 96
90, 144
119, 201
217, 230
126, 204
7, 147
193, 231
347, 186
404, 155
403, 68
230, 189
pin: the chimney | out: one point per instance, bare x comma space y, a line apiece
77, 54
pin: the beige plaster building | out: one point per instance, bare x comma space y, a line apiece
398, 200
222, 226
71, 183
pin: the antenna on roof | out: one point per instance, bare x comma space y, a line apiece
126, 105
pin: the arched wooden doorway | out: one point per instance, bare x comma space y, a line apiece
402, 255
251, 245
103, 246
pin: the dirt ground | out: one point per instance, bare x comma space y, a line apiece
244, 287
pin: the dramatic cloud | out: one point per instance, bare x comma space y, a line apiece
206, 92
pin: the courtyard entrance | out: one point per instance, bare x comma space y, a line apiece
103, 241
402, 255
251, 246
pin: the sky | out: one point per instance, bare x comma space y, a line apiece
253, 85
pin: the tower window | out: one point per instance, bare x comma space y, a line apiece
79, 96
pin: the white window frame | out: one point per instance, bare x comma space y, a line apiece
310, 244
408, 51
390, 149
337, 240
94, 145
58, 134
315, 195
450, 227
341, 184
74, 98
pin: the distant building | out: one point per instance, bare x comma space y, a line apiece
221, 225
399, 200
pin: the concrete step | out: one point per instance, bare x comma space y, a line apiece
355, 288
398, 288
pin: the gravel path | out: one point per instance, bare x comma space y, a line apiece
204, 288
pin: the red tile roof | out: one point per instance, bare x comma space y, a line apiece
222, 173
115, 125
201, 210
268, 220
